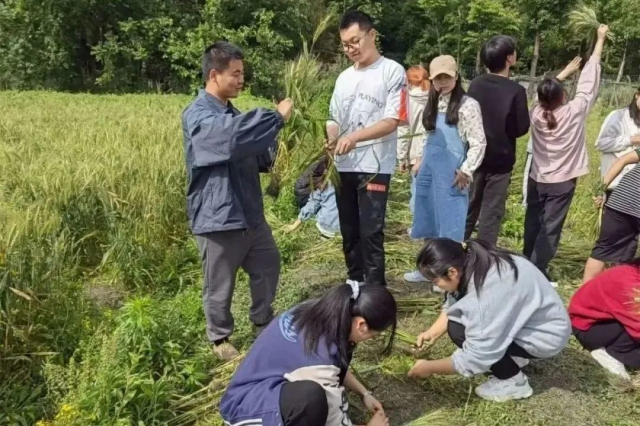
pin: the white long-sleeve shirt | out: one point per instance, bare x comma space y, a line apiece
411, 137
471, 131
614, 141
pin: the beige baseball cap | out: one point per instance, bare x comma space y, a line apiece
445, 64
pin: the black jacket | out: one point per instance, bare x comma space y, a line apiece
505, 116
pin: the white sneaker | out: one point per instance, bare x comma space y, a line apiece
522, 362
498, 390
415, 277
553, 284
610, 364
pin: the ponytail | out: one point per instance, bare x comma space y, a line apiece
328, 318
473, 259
550, 96
550, 119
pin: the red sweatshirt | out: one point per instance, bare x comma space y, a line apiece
608, 297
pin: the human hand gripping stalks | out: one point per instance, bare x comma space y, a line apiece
599, 199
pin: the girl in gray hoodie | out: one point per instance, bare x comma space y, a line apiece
500, 311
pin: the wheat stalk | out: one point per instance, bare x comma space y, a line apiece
584, 22
304, 86
201, 402
418, 304
407, 338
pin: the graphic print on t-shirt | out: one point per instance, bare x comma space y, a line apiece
362, 98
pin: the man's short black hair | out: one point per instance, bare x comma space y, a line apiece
353, 17
218, 56
494, 52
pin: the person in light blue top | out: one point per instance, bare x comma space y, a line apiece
321, 205
454, 149
500, 311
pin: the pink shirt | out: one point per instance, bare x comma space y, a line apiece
560, 154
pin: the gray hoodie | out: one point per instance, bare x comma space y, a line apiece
528, 312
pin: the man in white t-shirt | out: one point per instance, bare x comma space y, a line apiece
365, 111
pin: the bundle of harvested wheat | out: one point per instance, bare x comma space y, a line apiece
406, 338
584, 22
304, 85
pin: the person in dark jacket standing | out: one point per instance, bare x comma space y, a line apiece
224, 152
505, 116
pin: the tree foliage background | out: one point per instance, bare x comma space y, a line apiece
155, 45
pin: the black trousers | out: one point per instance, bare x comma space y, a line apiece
547, 208
487, 202
303, 403
618, 240
504, 369
611, 336
362, 205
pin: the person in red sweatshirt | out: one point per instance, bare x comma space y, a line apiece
605, 316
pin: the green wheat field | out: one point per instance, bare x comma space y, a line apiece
100, 315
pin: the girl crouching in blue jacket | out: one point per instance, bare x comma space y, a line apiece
297, 370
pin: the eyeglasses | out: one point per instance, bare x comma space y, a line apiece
354, 43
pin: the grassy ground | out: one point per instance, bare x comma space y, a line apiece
92, 217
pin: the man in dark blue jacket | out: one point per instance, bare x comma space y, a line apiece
224, 152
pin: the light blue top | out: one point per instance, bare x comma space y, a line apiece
322, 205
527, 311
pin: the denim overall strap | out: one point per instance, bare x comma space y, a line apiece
440, 207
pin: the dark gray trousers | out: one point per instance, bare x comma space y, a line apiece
487, 201
547, 208
223, 253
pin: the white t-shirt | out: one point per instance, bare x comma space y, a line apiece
361, 98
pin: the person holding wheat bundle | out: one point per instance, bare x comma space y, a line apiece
619, 136
224, 152
621, 216
364, 115
559, 157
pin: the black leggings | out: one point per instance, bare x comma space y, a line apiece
303, 403
504, 369
611, 336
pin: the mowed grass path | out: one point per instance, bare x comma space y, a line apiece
123, 156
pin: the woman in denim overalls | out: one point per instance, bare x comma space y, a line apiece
454, 149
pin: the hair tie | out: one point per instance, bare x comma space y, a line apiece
465, 247
355, 287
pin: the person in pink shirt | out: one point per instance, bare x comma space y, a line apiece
559, 156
